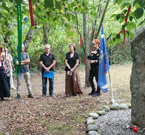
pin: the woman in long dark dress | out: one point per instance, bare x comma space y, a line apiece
72, 81
4, 88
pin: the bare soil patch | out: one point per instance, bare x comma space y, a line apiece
61, 115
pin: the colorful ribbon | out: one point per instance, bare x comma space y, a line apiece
31, 13
129, 8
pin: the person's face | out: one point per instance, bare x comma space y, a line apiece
71, 48
6, 50
94, 45
47, 49
23, 49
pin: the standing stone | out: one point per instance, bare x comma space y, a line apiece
137, 80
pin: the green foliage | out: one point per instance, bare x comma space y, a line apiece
119, 53
49, 3
138, 13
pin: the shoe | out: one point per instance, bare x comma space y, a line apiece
90, 94
18, 97
30, 96
43, 96
52, 95
13, 88
9, 98
96, 94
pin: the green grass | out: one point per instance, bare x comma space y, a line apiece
2, 133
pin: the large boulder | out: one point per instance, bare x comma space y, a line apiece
137, 80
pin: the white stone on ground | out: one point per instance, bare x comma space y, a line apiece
101, 113
94, 115
93, 133
114, 106
89, 118
123, 106
92, 127
90, 121
105, 108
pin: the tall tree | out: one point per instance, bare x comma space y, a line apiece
86, 49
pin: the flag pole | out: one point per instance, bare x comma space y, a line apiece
103, 68
112, 98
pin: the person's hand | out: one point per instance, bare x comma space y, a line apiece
47, 70
17, 62
93, 61
72, 70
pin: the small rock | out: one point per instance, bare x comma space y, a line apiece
101, 113
123, 106
92, 128
94, 115
93, 133
114, 106
89, 118
90, 121
105, 108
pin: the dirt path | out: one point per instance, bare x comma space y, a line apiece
59, 115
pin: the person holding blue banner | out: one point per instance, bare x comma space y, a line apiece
94, 64
47, 62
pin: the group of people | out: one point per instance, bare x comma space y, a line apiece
6, 79
47, 62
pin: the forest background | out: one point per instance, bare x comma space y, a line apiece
60, 22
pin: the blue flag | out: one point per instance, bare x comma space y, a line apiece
103, 64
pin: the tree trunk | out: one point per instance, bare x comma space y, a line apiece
45, 38
87, 64
28, 38
102, 19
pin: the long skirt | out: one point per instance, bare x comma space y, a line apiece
4, 88
72, 84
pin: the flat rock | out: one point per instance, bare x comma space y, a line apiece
90, 121
89, 118
93, 133
114, 106
101, 113
123, 106
92, 127
105, 108
94, 115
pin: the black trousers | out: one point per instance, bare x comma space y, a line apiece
94, 73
